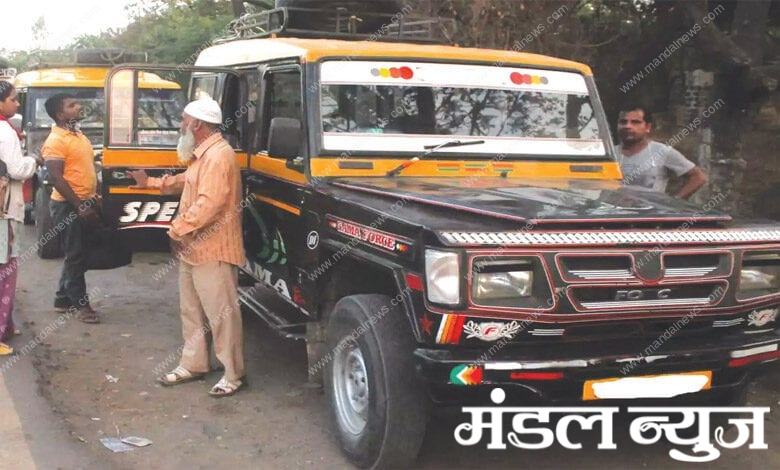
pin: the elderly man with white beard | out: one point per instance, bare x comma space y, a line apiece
206, 237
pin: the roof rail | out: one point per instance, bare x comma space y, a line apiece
339, 23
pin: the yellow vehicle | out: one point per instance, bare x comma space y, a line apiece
444, 221
159, 109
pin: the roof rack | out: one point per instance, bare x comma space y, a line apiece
339, 23
99, 57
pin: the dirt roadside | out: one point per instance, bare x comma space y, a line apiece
277, 422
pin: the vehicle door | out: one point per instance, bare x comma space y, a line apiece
274, 235
144, 110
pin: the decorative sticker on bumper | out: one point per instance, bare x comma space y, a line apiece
762, 317
466, 375
491, 331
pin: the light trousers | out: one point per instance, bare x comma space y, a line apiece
208, 299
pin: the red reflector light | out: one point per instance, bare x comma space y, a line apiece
758, 357
414, 282
536, 375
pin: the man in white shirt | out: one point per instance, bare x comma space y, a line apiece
647, 163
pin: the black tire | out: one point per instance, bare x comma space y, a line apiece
44, 227
387, 429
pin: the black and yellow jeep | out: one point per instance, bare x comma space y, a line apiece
444, 220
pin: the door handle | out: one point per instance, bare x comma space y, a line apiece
254, 179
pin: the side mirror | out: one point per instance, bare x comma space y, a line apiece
284, 138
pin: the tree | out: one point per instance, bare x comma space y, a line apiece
169, 31
40, 32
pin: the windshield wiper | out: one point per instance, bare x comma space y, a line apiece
429, 149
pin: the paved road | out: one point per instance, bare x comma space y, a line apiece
84, 382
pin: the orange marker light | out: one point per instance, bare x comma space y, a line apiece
526, 79
394, 72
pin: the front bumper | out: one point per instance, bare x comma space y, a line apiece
556, 374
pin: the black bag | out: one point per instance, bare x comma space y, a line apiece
103, 249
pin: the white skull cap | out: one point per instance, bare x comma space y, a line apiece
205, 109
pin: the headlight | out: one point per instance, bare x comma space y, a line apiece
510, 282
507, 285
760, 275
442, 277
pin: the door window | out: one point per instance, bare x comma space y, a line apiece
282, 99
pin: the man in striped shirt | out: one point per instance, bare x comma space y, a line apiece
206, 237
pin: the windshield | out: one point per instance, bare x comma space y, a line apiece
157, 109
159, 116
91, 100
401, 107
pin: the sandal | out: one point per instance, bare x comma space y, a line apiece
6, 350
177, 376
223, 388
87, 315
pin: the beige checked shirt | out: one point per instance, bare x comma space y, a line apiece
208, 224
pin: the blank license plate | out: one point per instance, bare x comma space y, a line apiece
648, 386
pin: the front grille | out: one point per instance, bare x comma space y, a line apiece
628, 297
583, 268
643, 265
696, 265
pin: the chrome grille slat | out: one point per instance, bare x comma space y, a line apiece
689, 272
645, 303
602, 274
547, 332
727, 323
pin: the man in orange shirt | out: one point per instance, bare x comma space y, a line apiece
206, 237
70, 163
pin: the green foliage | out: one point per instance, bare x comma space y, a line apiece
169, 31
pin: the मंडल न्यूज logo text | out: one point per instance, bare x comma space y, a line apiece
648, 428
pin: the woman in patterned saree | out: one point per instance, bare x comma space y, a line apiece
15, 169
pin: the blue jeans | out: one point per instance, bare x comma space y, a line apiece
72, 289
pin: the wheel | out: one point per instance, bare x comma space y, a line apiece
376, 402
44, 227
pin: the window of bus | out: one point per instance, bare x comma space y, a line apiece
159, 116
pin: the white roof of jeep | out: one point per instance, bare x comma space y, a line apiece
252, 51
